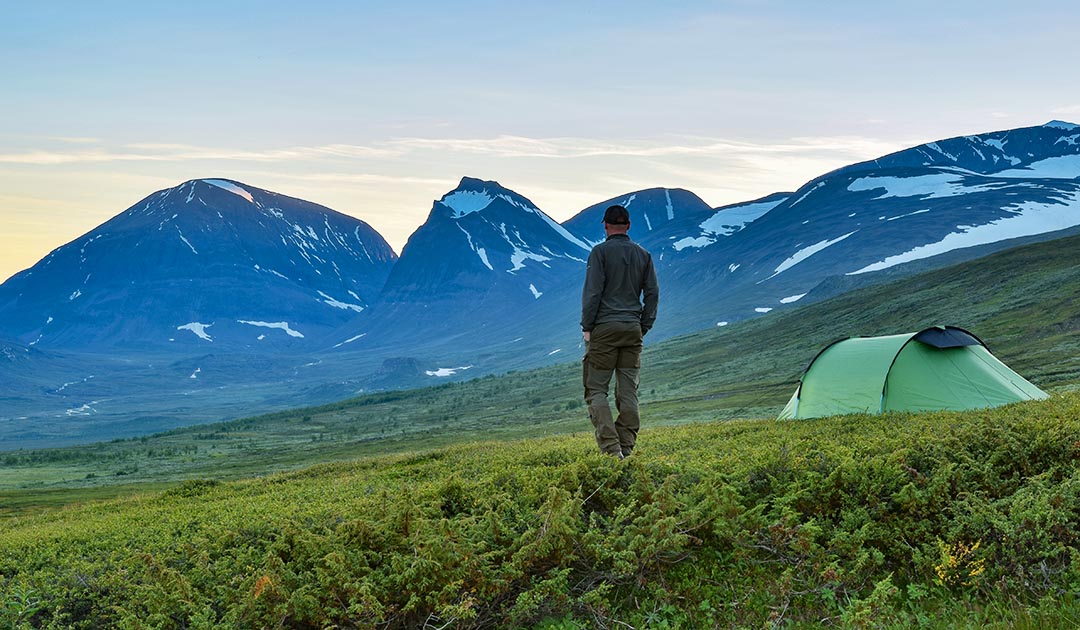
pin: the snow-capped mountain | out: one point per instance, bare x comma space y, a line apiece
485, 256
658, 217
211, 264
914, 205
481, 237
1047, 151
215, 286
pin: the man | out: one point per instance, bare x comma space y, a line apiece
613, 320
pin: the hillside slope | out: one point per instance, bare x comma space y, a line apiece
1020, 302
864, 521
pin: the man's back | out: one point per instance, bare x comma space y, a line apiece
620, 272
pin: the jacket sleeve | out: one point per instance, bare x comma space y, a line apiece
651, 297
593, 289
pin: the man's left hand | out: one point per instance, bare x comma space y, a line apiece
585, 335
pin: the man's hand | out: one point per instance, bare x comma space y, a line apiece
585, 335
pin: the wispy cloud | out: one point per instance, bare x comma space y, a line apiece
366, 179
505, 146
1067, 110
76, 140
187, 153
569, 148
45, 158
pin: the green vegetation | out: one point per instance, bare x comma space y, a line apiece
931, 520
1021, 302
483, 503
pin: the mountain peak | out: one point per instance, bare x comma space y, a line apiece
463, 202
1061, 124
475, 183
473, 195
231, 186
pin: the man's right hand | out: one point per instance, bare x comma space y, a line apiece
585, 335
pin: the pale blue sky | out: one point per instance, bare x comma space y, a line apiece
376, 109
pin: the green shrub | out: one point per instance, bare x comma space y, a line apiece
930, 520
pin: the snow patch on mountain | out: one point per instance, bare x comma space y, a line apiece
197, 328
909, 214
692, 241
479, 250
805, 253
728, 221
1062, 167
1000, 146
807, 193
186, 242
231, 187
927, 186
69, 384
85, 410
536, 294
563, 232
1029, 218
793, 298
351, 339
464, 202
937, 185
725, 222
482, 253
519, 257
443, 372
277, 325
339, 304
936, 147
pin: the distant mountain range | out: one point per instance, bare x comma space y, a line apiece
215, 298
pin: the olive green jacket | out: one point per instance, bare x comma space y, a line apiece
620, 274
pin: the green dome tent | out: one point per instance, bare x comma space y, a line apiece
940, 368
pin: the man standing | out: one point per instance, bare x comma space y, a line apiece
613, 321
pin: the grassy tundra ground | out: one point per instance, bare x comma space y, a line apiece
932, 520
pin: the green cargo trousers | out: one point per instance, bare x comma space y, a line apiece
613, 348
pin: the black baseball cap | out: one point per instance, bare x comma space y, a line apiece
616, 215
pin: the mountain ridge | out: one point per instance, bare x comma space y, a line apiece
290, 312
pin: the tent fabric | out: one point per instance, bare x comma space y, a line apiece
947, 337
940, 368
